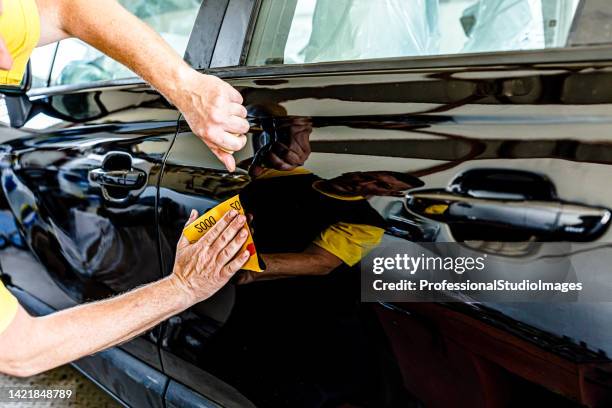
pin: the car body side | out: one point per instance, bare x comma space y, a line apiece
66, 242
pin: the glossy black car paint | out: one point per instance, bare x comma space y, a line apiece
76, 243
309, 341
436, 124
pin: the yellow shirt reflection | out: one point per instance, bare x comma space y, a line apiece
348, 241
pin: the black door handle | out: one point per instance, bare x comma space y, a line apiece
117, 177
129, 179
554, 219
483, 200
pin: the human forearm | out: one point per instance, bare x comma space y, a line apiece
294, 264
68, 335
200, 269
109, 27
211, 107
314, 260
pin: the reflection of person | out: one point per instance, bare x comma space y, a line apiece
289, 151
211, 107
305, 227
331, 221
367, 184
200, 270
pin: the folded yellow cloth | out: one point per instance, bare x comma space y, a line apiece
204, 223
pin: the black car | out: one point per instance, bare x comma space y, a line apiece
360, 113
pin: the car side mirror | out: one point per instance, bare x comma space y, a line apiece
18, 103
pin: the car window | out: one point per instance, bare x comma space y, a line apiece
309, 31
77, 62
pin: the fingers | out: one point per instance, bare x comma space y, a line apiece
220, 226
234, 95
213, 109
290, 156
303, 141
226, 158
226, 141
192, 216
237, 125
279, 164
235, 265
183, 241
229, 251
225, 240
237, 109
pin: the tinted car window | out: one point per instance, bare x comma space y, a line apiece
308, 31
77, 62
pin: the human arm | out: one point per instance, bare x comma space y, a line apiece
38, 344
212, 107
340, 243
314, 260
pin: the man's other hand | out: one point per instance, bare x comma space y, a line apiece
213, 109
204, 267
38, 344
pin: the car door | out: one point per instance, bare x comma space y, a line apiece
80, 180
502, 98
83, 198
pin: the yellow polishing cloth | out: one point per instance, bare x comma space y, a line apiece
204, 223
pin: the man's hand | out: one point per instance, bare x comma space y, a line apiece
204, 267
214, 112
289, 154
211, 107
38, 344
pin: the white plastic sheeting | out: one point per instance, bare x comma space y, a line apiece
504, 25
358, 29
363, 29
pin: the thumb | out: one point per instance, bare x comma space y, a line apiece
192, 216
183, 241
226, 158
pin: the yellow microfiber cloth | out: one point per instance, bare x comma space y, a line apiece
204, 223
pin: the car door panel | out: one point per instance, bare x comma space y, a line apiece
436, 124
193, 178
87, 226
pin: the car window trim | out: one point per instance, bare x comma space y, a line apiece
507, 58
52, 64
235, 58
86, 87
205, 33
235, 32
594, 54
